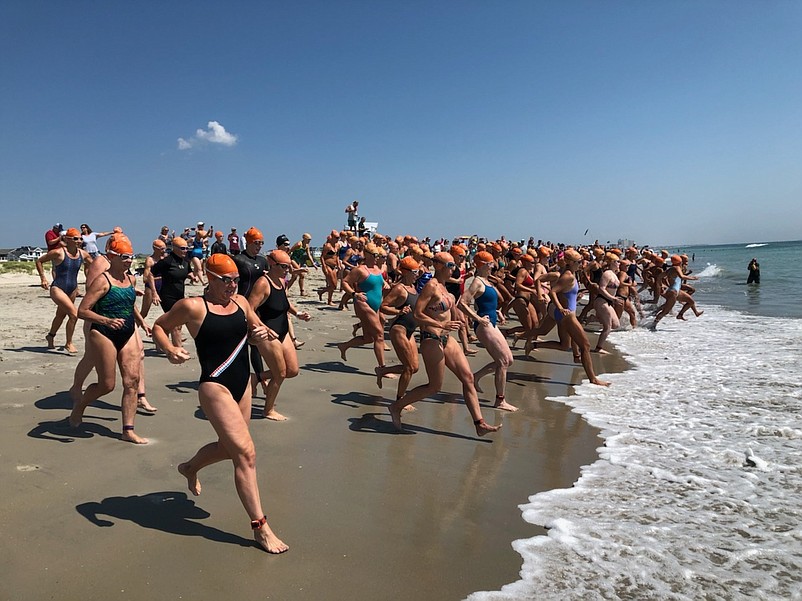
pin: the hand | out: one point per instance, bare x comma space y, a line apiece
405, 310
501, 319
156, 300
115, 323
44, 284
148, 331
260, 332
304, 316
177, 355
453, 325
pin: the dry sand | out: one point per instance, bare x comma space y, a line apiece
368, 514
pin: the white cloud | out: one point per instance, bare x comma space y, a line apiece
214, 134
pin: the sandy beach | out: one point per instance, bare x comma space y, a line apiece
368, 513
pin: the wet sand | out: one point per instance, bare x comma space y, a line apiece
368, 513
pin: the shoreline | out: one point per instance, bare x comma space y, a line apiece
367, 513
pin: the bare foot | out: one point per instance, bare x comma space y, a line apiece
699, 314
275, 416
70, 348
320, 295
601, 351
298, 343
483, 428
342, 348
504, 406
356, 329
681, 317
598, 382
131, 436
266, 539
395, 415
471, 351
577, 358
379, 375
142, 403
51, 341
409, 408
193, 484
529, 346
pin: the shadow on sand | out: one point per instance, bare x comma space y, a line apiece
170, 512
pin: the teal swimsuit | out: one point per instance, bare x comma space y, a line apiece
372, 287
117, 302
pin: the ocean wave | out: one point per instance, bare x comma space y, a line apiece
710, 271
695, 494
756, 245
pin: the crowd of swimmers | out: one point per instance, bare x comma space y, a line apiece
431, 300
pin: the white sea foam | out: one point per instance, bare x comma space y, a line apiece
697, 491
710, 271
756, 245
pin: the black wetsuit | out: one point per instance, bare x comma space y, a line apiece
173, 270
453, 288
250, 270
221, 344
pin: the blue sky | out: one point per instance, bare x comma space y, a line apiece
664, 122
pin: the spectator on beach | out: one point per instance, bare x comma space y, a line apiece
268, 299
361, 227
53, 237
353, 216
222, 322
233, 242
67, 261
436, 314
167, 237
754, 272
90, 240
110, 306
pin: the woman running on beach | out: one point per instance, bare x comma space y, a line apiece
110, 307
524, 291
607, 303
301, 255
436, 314
173, 270
330, 263
269, 299
400, 302
67, 261
562, 312
365, 284
152, 283
222, 322
674, 293
485, 317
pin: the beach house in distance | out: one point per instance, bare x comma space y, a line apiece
22, 253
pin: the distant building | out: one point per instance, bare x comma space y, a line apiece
625, 243
21, 253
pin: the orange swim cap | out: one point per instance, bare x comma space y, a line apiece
121, 246
72, 233
221, 264
676, 260
179, 242
279, 256
572, 255
516, 250
159, 244
658, 260
409, 263
253, 235
457, 250
543, 252
482, 258
527, 258
616, 251
611, 256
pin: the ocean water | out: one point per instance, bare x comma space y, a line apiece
698, 490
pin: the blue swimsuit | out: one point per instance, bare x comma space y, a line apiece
486, 304
67, 273
570, 301
372, 287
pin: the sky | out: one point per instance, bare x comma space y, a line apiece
663, 122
